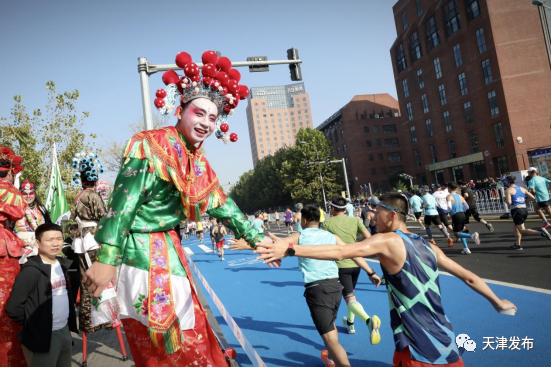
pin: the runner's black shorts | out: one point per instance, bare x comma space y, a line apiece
543, 204
519, 215
458, 221
443, 216
323, 298
472, 211
348, 277
417, 215
435, 220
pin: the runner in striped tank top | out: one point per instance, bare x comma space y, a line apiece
422, 332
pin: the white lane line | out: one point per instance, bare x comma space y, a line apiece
188, 251
205, 248
495, 282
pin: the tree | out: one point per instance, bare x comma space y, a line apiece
292, 174
306, 164
113, 155
32, 134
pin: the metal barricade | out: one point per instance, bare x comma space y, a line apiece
492, 202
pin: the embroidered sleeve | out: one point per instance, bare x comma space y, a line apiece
233, 217
12, 205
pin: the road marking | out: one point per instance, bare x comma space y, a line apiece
494, 282
205, 248
188, 251
244, 261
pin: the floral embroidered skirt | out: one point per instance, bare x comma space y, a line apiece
199, 345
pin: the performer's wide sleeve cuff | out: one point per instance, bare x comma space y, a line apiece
234, 218
110, 255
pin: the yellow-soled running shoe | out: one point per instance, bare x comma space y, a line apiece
375, 324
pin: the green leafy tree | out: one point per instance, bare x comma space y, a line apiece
307, 169
291, 175
32, 134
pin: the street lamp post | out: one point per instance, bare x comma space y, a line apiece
346, 178
545, 23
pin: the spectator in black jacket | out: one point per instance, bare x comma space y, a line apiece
42, 301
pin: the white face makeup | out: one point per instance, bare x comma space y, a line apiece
29, 197
198, 120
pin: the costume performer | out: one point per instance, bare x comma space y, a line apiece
165, 178
35, 215
12, 208
89, 209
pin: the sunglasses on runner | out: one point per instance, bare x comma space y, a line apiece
390, 208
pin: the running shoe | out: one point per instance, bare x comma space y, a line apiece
516, 247
450, 242
349, 326
475, 238
545, 233
222, 258
326, 359
490, 227
374, 325
466, 251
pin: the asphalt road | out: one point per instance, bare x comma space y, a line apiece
494, 259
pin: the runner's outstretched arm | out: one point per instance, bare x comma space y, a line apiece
374, 246
473, 281
361, 262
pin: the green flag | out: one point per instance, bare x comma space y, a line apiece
56, 203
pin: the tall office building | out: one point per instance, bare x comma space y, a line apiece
274, 115
473, 81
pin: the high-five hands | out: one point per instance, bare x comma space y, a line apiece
274, 251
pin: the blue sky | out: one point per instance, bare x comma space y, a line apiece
93, 46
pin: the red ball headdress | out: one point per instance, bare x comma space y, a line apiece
215, 80
10, 161
27, 187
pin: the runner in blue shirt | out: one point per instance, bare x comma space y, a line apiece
416, 205
457, 207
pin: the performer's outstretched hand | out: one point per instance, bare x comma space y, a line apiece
98, 276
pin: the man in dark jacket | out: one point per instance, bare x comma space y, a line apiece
42, 301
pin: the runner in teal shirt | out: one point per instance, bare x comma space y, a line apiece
539, 187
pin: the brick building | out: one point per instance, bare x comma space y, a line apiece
367, 133
473, 81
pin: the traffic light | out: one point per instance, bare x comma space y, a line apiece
294, 68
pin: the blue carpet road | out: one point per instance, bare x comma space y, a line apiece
269, 307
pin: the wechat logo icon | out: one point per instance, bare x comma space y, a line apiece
465, 343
